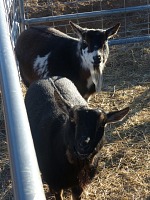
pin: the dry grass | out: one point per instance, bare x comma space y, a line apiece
124, 169
124, 166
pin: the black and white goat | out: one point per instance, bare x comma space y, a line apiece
67, 134
43, 52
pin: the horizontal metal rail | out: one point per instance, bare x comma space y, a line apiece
129, 40
101, 13
85, 15
27, 184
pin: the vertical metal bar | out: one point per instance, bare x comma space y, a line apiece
148, 20
22, 15
27, 184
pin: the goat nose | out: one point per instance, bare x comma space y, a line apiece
97, 59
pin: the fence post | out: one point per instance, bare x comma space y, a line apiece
22, 15
25, 174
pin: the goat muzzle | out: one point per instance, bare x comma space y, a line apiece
83, 148
97, 60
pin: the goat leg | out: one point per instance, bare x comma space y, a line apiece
76, 193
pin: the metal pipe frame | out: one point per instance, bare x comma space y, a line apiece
124, 41
101, 13
27, 184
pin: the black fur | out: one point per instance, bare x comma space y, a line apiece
61, 123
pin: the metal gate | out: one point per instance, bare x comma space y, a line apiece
133, 15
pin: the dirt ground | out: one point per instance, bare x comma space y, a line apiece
124, 166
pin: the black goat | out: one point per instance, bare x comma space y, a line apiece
43, 52
67, 134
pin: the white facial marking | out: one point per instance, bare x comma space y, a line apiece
87, 58
87, 140
40, 65
88, 63
96, 78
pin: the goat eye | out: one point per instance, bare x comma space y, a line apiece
84, 44
72, 120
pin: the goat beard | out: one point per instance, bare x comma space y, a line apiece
96, 74
88, 172
87, 167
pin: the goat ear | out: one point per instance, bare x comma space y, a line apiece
112, 31
63, 104
115, 116
77, 29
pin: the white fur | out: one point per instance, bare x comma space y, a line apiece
87, 58
87, 63
87, 140
40, 65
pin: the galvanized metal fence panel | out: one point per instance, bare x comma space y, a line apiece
27, 184
133, 15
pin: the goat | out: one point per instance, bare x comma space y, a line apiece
67, 134
43, 52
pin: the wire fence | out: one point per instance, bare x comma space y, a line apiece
12, 17
134, 16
